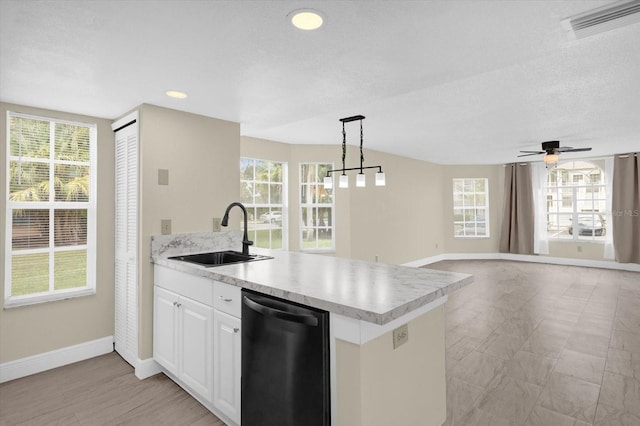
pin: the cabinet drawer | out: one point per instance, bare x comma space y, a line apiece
226, 298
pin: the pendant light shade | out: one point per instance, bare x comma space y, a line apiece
361, 180
328, 182
380, 179
344, 181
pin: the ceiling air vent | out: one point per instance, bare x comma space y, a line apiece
609, 17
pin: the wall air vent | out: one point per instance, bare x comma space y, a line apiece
609, 17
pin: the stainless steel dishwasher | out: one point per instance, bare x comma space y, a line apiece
285, 363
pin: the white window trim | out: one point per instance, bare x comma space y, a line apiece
486, 210
285, 201
317, 250
91, 207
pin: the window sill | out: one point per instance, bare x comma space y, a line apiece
18, 301
318, 251
471, 237
578, 241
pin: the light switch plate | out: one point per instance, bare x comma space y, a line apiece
400, 336
217, 227
163, 177
165, 226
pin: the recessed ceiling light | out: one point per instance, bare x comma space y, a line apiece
306, 19
175, 94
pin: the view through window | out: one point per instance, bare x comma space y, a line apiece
576, 202
471, 208
51, 208
263, 192
316, 208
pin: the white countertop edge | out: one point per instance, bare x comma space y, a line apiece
360, 332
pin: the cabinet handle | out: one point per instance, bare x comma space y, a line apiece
175, 303
178, 305
235, 330
224, 299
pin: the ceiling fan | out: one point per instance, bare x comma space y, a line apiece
552, 149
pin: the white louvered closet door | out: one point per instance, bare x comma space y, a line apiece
126, 241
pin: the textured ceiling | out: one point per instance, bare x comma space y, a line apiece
451, 82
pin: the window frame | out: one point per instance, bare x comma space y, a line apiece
332, 205
52, 206
595, 191
485, 207
283, 207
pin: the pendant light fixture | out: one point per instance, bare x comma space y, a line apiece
361, 180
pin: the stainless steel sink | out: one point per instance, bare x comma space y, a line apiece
219, 258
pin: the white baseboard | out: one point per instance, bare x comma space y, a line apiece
426, 261
146, 368
42, 362
604, 264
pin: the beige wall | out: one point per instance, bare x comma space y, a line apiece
34, 329
202, 155
495, 174
380, 385
397, 223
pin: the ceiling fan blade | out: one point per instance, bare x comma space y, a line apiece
574, 149
534, 152
527, 155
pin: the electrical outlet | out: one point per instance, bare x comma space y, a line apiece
165, 226
400, 336
436, 245
217, 227
579, 249
376, 258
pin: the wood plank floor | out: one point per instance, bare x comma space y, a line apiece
99, 391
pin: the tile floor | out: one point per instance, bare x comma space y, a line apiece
536, 344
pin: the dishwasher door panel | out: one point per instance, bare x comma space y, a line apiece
285, 363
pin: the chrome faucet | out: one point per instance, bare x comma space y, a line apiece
225, 222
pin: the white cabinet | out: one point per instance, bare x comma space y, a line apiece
183, 340
227, 364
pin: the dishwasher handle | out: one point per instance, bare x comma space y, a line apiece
309, 320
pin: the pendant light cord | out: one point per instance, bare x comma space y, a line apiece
344, 147
361, 141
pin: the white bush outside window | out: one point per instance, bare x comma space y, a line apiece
471, 208
264, 193
576, 202
51, 210
316, 209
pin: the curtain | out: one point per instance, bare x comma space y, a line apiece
609, 252
539, 186
518, 222
626, 208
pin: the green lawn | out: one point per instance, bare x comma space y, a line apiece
30, 272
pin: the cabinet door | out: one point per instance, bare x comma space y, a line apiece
196, 346
126, 237
165, 321
227, 364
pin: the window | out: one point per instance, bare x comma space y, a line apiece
264, 194
316, 208
51, 210
576, 202
471, 208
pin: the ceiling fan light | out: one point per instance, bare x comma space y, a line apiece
550, 158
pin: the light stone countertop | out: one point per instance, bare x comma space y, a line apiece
372, 292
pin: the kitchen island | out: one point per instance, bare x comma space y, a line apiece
371, 381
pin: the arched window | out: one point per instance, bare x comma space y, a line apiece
576, 202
